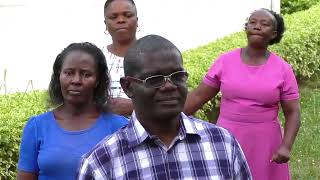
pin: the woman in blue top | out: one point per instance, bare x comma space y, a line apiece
53, 142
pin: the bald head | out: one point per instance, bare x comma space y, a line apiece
144, 47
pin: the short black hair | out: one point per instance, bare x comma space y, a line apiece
101, 92
145, 46
278, 25
108, 2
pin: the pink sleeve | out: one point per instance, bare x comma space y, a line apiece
289, 89
213, 76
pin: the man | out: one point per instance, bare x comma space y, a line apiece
160, 142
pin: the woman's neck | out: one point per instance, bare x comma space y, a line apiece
120, 48
254, 56
255, 52
76, 118
74, 111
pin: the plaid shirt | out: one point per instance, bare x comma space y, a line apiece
200, 151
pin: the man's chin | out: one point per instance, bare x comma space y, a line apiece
168, 113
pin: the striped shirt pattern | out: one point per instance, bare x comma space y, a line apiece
200, 151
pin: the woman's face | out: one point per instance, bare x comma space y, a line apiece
78, 78
121, 20
260, 28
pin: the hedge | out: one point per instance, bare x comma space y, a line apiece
301, 43
300, 46
292, 6
14, 112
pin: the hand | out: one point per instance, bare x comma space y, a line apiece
282, 155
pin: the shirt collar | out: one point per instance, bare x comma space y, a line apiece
137, 134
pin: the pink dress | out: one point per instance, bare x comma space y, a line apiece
250, 105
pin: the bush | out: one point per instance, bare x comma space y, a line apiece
14, 112
291, 6
301, 43
300, 46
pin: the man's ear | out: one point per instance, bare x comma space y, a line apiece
126, 86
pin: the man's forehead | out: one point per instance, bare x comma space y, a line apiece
149, 61
161, 65
162, 54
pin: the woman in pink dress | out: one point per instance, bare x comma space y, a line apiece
253, 82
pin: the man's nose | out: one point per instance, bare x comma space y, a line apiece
168, 83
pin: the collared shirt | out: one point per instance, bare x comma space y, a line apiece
200, 151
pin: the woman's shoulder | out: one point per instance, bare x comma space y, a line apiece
41, 117
105, 50
229, 55
114, 119
108, 54
279, 61
40, 120
233, 52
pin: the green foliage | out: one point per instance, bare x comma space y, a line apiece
301, 43
300, 46
292, 6
305, 158
14, 112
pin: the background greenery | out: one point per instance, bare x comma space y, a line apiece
300, 47
291, 6
14, 112
305, 158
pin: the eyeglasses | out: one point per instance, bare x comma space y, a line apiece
157, 81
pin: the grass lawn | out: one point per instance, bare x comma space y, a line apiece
305, 159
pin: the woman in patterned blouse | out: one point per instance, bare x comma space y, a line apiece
121, 23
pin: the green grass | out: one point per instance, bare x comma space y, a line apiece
305, 159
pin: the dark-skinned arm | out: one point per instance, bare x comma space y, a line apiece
198, 97
121, 106
291, 110
26, 175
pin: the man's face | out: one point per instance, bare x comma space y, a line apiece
166, 101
